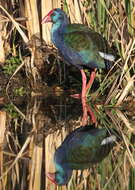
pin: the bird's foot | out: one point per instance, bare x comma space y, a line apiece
91, 114
77, 96
87, 111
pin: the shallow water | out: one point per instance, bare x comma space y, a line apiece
36, 128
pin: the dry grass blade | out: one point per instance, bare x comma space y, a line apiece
130, 155
114, 20
31, 11
35, 18
2, 126
23, 35
57, 4
128, 53
2, 136
46, 6
78, 11
108, 181
75, 12
126, 90
125, 120
36, 169
71, 10
112, 91
18, 156
28, 14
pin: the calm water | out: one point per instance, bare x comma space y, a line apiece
38, 126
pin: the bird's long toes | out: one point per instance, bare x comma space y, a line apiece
77, 96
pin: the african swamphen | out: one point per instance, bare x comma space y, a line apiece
81, 148
79, 45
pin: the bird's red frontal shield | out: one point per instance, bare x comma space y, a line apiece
47, 18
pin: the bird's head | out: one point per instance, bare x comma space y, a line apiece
54, 16
60, 178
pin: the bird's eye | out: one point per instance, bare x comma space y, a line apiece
53, 14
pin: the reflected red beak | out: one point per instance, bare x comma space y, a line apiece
51, 177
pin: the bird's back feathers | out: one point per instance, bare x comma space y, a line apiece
84, 146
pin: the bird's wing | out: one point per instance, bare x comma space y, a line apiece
83, 148
90, 45
95, 38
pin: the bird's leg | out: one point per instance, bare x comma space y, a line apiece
92, 77
84, 80
93, 118
85, 87
77, 96
83, 98
87, 110
83, 95
85, 114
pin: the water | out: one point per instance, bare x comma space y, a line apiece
37, 127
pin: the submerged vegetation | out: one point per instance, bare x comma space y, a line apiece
31, 129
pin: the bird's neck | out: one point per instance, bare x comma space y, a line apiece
64, 172
60, 160
57, 31
61, 168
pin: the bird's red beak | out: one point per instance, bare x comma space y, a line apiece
47, 18
51, 177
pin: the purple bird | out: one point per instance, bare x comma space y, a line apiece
79, 45
82, 148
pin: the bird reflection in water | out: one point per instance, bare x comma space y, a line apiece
87, 111
81, 148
